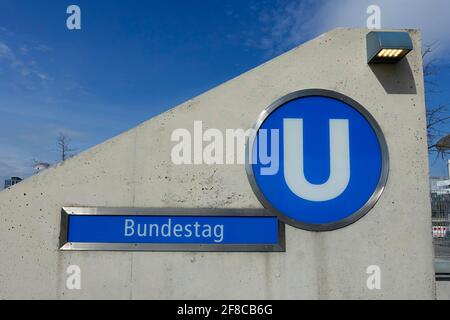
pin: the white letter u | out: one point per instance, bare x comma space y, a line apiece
339, 161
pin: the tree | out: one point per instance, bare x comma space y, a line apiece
437, 116
64, 146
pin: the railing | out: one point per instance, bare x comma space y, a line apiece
440, 217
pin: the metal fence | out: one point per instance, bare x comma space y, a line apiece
440, 214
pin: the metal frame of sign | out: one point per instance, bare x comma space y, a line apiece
88, 246
384, 154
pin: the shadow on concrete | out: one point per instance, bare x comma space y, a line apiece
395, 78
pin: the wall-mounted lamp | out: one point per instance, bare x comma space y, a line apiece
387, 46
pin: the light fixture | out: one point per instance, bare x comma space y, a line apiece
387, 46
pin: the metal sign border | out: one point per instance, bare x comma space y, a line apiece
384, 155
64, 245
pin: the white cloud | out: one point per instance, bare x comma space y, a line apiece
42, 48
5, 52
299, 21
69, 132
21, 66
14, 162
6, 32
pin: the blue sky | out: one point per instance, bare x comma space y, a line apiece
135, 59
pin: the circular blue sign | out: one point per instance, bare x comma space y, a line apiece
318, 160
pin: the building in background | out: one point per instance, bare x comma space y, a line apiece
40, 166
441, 186
440, 216
12, 181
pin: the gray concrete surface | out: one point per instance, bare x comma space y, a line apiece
134, 169
443, 290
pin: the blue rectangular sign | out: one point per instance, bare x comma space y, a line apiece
182, 230
173, 229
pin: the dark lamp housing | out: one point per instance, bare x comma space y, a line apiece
387, 46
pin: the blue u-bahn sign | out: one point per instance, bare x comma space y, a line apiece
317, 161
328, 160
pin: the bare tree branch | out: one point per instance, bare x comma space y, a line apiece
439, 115
64, 146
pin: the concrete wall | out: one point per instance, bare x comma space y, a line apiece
443, 290
134, 169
